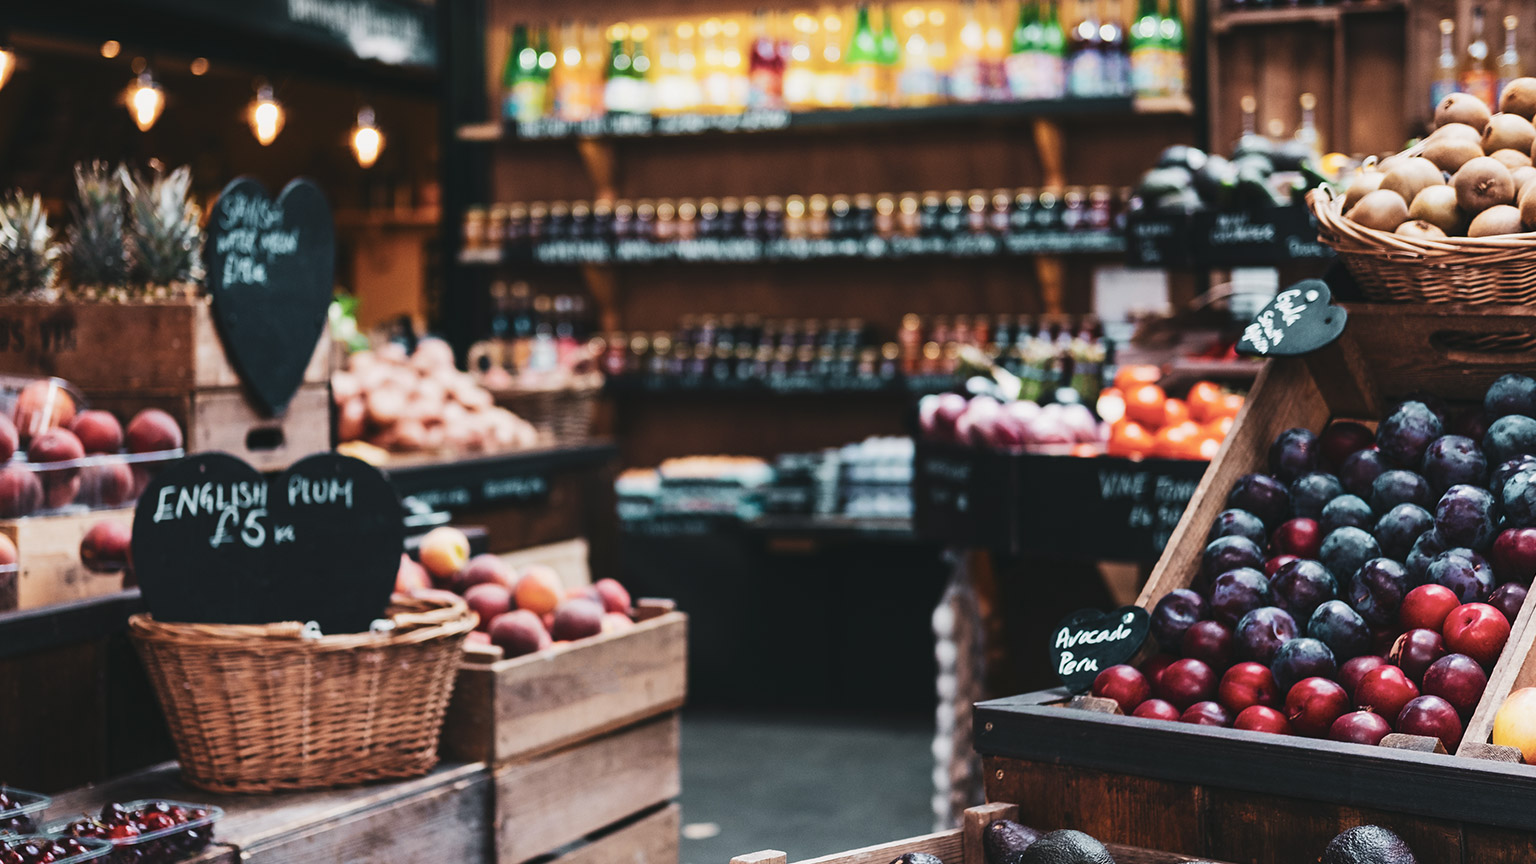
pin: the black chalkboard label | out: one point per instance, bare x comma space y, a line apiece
1238, 238
216, 542
1299, 320
270, 270
1090, 641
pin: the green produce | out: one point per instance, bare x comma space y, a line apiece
1368, 844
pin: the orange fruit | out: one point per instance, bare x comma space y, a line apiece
1175, 411
1130, 439
1127, 377
1081, 450
1204, 398
1219, 427
1515, 723
1209, 444
1176, 441
1231, 403
1110, 405
1144, 403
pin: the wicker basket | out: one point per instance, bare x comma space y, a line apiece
562, 415
258, 708
1394, 268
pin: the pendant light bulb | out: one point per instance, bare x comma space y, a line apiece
145, 101
7, 64
266, 116
367, 140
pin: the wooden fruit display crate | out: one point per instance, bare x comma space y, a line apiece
167, 354
582, 740
1250, 796
962, 846
49, 569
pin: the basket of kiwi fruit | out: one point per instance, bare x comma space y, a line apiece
1451, 219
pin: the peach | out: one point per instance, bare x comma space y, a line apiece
55, 445
9, 440
577, 619
8, 553
478, 637
98, 431
411, 576
153, 430
20, 492
42, 405
583, 592
352, 420
60, 492
539, 590
443, 551
488, 600
615, 597
105, 547
115, 484
616, 622
519, 632
483, 569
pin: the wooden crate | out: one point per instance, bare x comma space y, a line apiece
962, 846
49, 569
511, 709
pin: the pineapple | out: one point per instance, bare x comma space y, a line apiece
29, 258
165, 239
98, 256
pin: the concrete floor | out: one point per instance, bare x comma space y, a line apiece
805, 785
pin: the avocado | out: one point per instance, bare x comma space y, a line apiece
1368, 844
1162, 181
1183, 201
1066, 847
918, 858
1291, 155
1182, 156
1215, 181
1005, 840
1253, 145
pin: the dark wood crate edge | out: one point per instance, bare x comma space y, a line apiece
1476, 791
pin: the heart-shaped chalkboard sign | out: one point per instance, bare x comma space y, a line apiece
1300, 320
1089, 641
215, 542
270, 269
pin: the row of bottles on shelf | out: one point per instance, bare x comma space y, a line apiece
1475, 70
535, 332
840, 57
931, 214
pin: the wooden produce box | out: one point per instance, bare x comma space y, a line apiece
128, 356
49, 570
963, 846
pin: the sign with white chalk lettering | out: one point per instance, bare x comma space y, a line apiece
216, 542
1298, 321
1090, 641
270, 270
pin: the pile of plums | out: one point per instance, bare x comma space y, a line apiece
36, 849
148, 832
1365, 585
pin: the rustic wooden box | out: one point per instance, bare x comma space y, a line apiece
962, 846
48, 565
511, 709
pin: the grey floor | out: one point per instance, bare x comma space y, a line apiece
807, 786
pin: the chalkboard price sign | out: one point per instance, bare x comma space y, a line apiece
270, 270
215, 542
1090, 641
1298, 321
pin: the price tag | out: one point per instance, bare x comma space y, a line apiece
1298, 321
1090, 641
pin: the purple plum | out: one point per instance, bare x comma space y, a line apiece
1341, 628
1346, 511
1229, 553
1310, 493
1239, 523
1429, 545
1510, 394
1452, 460
1303, 585
1464, 572
1400, 487
1175, 613
1507, 469
1235, 593
1305, 657
1360, 471
1345, 551
1518, 497
1263, 496
1510, 436
1407, 432
1377, 592
1397, 529
1261, 633
1465, 516
1294, 453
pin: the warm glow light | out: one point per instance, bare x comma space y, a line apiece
7, 64
200, 66
367, 141
145, 101
266, 116
110, 48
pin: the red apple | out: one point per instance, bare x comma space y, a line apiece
1385, 690
1313, 704
1433, 717
1262, 718
1153, 666
1300, 537
1248, 684
1459, 680
1508, 598
1426, 606
1478, 631
98, 431
1210, 641
1513, 555
1124, 684
1186, 682
1415, 650
1273, 565
1156, 709
1355, 668
1206, 714
1360, 727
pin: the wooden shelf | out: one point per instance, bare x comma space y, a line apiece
425, 219
1326, 16
522, 477
793, 385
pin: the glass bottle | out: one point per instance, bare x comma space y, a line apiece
941, 54
1509, 60
1053, 53
1445, 65
1117, 64
569, 90
511, 71
1148, 63
765, 68
529, 87
889, 55
690, 80
1085, 63
800, 66
640, 70
863, 62
994, 57
1306, 131
619, 91
1175, 74
1022, 65
671, 86
713, 71
594, 74
965, 78
735, 67
918, 83
547, 61
1477, 74
831, 73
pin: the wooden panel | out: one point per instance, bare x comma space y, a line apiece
568, 558
652, 839
1114, 808
49, 569
64, 743
536, 703
1482, 845
1267, 829
226, 420
945, 844
553, 800
1417, 351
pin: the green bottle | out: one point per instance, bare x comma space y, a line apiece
1175, 73
509, 72
863, 63
1148, 62
1023, 61
619, 90
1053, 54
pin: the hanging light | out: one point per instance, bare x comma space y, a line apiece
266, 115
7, 63
367, 140
110, 48
145, 101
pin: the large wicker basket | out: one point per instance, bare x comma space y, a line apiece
563, 415
1393, 268
258, 708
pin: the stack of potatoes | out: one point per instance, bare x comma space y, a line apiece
1472, 178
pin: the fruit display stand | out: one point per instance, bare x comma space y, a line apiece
49, 569
1260, 797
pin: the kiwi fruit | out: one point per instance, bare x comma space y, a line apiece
1362, 184
1508, 132
1522, 176
1462, 108
1419, 228
1437, 206
1451, 152
1482, 183
1498, 219
1458, 130
1383, 210
1519, 97
1409, 176
1511, 159
1528, 206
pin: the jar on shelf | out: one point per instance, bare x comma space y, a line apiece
474, 229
